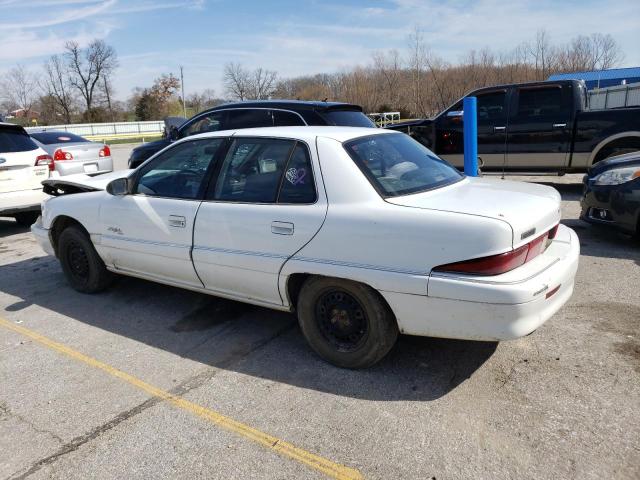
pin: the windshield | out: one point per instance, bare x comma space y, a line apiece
347, 118
398, 165
51, 138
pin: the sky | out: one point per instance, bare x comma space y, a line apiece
293, 38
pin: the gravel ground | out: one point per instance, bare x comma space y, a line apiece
561, 403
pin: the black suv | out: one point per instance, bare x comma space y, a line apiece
253, 114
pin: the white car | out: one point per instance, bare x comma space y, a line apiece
363, 232
23, 165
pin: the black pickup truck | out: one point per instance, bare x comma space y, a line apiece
532, 127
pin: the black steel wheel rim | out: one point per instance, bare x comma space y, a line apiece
342, 320
78, 261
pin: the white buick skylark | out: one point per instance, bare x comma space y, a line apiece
364, 233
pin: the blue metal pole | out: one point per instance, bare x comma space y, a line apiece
470, 122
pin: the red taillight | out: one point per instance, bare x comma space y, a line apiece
42, 160
60, 154
105, 151
503, 262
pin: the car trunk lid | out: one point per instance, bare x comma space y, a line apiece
81, 182
528, 208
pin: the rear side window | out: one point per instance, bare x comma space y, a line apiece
212, 122
12, 141
249, 118
282, 118
346, 118
50, 138
538, 102
265, 170
297, 184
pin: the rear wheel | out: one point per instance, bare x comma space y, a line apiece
81, 264
348, 324
26, 219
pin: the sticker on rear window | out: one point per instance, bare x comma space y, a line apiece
64, 139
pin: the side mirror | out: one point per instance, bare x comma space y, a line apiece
174, 134
118, 187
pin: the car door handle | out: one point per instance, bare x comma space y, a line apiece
559, 125
499, 129
177, 221
282, 228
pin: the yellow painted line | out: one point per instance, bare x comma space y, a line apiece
283, 448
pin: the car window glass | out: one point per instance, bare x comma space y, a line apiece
208, 123
179, 172
249, 118
297, 185
12, 141
252, 170
51, 138
492, 106
537, 102
283, 118
347, 118
397, 165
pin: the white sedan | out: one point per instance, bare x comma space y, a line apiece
363, 232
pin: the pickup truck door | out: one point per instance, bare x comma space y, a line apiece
492, 130
149, 232
539, 133
267, 202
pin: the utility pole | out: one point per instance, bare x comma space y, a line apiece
184, 105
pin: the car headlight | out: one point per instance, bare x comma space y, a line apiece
616, 176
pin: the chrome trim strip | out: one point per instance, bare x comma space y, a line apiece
146, 242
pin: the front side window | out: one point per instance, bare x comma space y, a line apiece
208, 123
265, 170
179, 172
398, 165
492, 106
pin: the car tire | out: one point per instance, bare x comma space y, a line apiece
26, 219
346, 323
82, 266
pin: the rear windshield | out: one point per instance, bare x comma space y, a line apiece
15, 141
398, 165
347, 118
50, 138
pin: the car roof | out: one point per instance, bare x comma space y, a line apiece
288, 105
310, 133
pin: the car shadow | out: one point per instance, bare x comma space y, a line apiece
9, 226
243, 338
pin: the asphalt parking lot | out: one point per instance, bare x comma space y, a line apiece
149, 381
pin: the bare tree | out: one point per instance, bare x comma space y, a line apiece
595, 52
87, 67
20, 88
262, 83
390, 67
56, 84
236, 81
544, 55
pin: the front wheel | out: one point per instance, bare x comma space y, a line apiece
348, 324
80, 262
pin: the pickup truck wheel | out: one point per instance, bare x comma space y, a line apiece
26, 219
81, 264
346, 323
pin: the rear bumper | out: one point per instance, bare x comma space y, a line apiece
97, 167
491, 310
41, 235
21, 201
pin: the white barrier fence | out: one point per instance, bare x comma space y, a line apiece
615, 97
108, 130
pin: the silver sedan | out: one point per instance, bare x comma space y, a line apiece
74, 154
